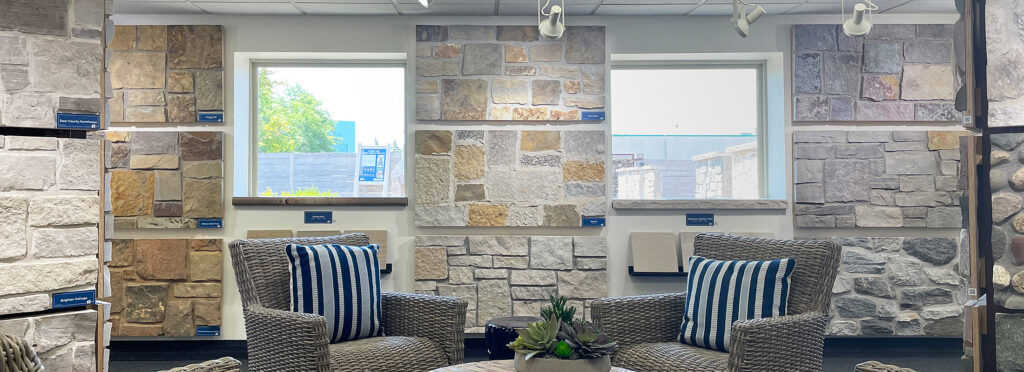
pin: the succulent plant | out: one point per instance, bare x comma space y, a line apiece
559, 310
538, 337
563, 350
586, 339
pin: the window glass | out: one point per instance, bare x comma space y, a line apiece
330, 131
686, 132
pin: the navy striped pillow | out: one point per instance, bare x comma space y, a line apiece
719, 293
340, 283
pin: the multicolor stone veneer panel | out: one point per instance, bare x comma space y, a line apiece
894, 73
878, 179
51, 60
1007, 182
167, 74
165, 286
502, 276
1005, 46
166, 179
509, 177
64, 341
508, 73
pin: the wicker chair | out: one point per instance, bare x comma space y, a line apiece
647, 327
422, 332
225, 364
16, 355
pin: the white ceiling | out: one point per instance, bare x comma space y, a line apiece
510, 7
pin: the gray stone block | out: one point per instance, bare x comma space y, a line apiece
807, 171
841, 74
844, 180
841, 108
935, 31
807, 72
585, 44
885, 111
814, 37
481, 59
902, 163
923, 199
869, 136
811, 108
929, 51
859, 151
809, 136
936, 251
878, 216
815, 221
891, 31
812, 152
855, 307
810, 193
886, 58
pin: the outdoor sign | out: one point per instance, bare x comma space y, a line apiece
373, 168
77, 121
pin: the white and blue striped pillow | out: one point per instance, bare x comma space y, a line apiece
719, 293
340, 283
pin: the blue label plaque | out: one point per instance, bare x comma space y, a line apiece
207, 330
211, 117
78, 121
371, 165
593, 221
210, 223
700, 219
319, 217
73, 299
593, 115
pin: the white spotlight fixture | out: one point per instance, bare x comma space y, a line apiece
741, 20
859, 23
426, 3
553, 26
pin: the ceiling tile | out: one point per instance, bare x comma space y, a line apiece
646, 10
923, 7
448, 9
248, 8
155, 7
506, 8
726, 9
346, 9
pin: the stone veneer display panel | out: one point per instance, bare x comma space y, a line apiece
509, 177
894, 73
165, 286
877, 179
1007, 182
49, 219
508, 73
64, 341
165, 179
51, 60
898, 286
512, 275
169, 74
1005, 46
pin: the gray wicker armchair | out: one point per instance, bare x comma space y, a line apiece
647, 327
422, 332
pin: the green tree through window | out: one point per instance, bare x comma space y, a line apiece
291, 119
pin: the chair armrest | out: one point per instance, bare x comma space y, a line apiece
639, 319
286, 341
784, 343
437, 318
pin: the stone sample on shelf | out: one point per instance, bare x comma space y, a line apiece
64, 341
878, 179
172, 74
895, 73
166, 179
507, 275
51, 60
654, 252
1005, 50
889, 286
509, 177
1008, 222
165, 286
508, 73
49, 219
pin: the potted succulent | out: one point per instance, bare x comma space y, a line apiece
561, 343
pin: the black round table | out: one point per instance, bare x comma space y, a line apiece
499, 332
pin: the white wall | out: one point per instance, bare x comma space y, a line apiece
253, 34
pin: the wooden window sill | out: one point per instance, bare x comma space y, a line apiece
755, 204
320, 201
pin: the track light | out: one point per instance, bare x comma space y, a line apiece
859, 23
553, 26
741, 20
426, 3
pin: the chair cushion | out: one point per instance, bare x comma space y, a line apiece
721, 292
340, 283
669, 356
392, 353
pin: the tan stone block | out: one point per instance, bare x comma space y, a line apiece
203, 170
536, 140
469, 163
207, 244
167, 185
153, 162
118, 137
946, 140
582, 171
125, 223
122, 253
180, 82
161, 258
447, 51
928, 82
144, 98
588, 102
205, 266
198, 47
431, 263
430, 142
572, 86
131, 192
137, 70
206, 311
181, 108
184, 290
521, 70
145, 114
178, 319
500, 113
564, 114
487, 215
464, 99
529, 113
203, 198
152, 38
139, 330
515, 54
117, 107
124, 38
428, 86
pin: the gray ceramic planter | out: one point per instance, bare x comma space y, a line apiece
561, 365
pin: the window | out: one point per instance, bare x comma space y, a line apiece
687, 131
329, 130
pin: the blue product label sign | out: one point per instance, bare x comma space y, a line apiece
211, 117
210, 223
73, 299
593, 221
700, 219
372, 164
78, 121
207, 330
592, 115
319, 217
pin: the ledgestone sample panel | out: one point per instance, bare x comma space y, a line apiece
509, 177
894, 73
502, 276
878, 179
166, 179
169, 74
165, 286
1005, 58
49, 219
51, 60
64, 341
508, 73
898, 286
1007, 182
